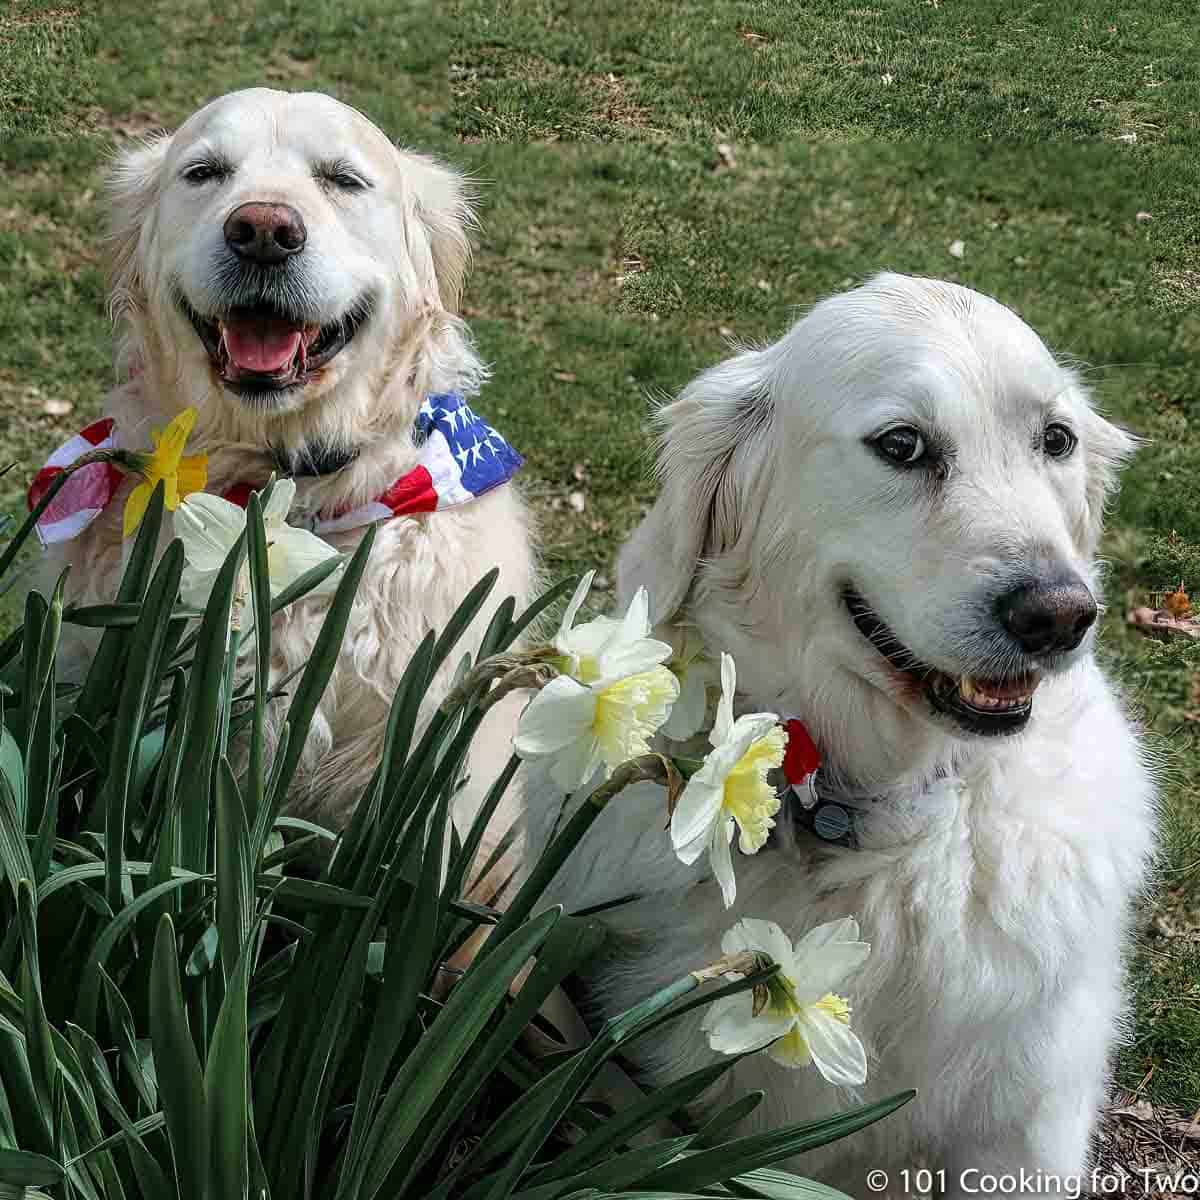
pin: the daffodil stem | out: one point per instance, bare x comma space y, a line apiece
533, 676
498, 667
652, 768
744, 962
757, 977
128, 461
649, 766
687, 767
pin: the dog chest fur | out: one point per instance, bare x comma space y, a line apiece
997, 905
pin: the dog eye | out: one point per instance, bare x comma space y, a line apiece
342, 178
1058, 441
903, 445
203, 172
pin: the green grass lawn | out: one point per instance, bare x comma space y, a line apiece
656, 179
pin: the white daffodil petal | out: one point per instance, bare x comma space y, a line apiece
590, 638
844, 929
617, 659
276, 509
689, 852
207, 526
574, 605
687, 716
724, 721
722, 860
291, 552
575, 764
636, 622
763, 937
791, 1050
559, 714
196, 586
732, 1028
216, 511
718, 763
747, 730
824, 970
696, 810
740, 1006
835, 1048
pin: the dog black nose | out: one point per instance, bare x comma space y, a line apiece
1048, 616
265, 233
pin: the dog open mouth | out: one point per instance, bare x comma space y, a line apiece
260, 349
990, 707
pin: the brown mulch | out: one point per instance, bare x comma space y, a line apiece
1143, 1151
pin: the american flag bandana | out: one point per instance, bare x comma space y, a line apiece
461, 457
85, 495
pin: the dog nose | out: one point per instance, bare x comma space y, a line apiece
1048, 617
265, 233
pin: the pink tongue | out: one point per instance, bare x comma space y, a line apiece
265, 346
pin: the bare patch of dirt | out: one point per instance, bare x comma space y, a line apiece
284, 67
49, 19
125, 126
68, 252
611, 103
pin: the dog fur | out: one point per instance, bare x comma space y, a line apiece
402, 242
996, 876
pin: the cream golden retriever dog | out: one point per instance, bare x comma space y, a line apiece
889, 518
281, 267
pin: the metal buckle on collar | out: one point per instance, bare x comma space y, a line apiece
831, 821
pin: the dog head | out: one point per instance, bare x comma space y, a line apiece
277, 257
888, 517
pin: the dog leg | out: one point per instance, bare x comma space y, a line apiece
1057, 1102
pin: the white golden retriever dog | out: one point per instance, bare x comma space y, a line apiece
889, 518
280, 266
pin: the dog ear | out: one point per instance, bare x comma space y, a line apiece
713, 449
1108, 447
132, 186
446, 210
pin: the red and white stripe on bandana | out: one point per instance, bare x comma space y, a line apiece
461, 457
86, 494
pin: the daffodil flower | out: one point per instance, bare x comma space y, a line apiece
209, 525
165, 462
612, 697
696, 673
796, 1014
607, 647
730, 790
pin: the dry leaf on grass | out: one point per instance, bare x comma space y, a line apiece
1161, 624
1177, 603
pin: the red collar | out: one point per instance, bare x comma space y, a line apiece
801, 758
